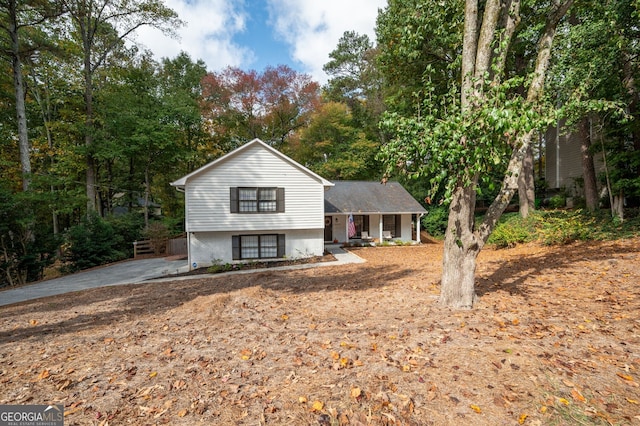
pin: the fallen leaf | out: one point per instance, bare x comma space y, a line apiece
153, 374
563, 401
317, 406
302, 399
43, 375
625, 376
356, 392
575, 393
522, 418
476, 408
33, 322
182, 413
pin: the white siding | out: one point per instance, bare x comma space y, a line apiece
205, 248
563, 163
208, 201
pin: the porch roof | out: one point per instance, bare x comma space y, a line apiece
360, 197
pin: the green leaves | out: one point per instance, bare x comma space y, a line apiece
448, 146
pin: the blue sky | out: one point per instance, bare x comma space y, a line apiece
252, 34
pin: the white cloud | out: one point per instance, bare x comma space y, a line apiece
311, 28
207, 35
314, 27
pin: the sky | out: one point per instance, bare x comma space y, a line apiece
253, 34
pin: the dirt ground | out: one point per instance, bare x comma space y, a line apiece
554, 339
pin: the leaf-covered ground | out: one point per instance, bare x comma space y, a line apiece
555, 339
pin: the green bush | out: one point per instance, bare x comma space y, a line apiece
129, 229
512, 229
91, 243
28, 245
562, 227
435, 222
566, 226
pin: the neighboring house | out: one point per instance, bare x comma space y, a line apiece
253, 203
257, 203
379, 211
563, 160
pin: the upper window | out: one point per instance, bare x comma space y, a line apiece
257, 200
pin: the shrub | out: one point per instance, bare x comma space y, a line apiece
129, 228
563, 227
158, 233
512, 229
91, 243
435, 222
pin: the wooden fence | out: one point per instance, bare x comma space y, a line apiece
169, 247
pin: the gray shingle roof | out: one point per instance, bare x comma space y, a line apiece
369, 197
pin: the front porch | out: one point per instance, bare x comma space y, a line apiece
372, 228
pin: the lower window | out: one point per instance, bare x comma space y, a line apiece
263, 246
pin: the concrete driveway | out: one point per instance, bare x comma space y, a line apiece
136, 271
129, 272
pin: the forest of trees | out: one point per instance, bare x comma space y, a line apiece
447, 99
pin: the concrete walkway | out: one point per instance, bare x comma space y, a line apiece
137, 271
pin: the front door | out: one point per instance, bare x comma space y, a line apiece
328, 228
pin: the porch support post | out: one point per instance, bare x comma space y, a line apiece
346, 226
380, 227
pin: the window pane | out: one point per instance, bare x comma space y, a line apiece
389, 223
248, 199
249, 247
267, 199
269, 246
247, 194
248, 206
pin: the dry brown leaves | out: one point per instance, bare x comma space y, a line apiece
555, 339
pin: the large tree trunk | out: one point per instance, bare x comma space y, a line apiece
462, 243
91, 179
460, 252
588, 169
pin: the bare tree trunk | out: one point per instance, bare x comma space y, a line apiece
147, 191
18, 85
588, 169
526, 185
460, 252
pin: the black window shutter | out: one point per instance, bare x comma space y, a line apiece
280, 200
233, 197
235, 247
398, 226
281, 248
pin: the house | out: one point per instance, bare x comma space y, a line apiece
257, 203
379, 212
253, 203
563, 160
